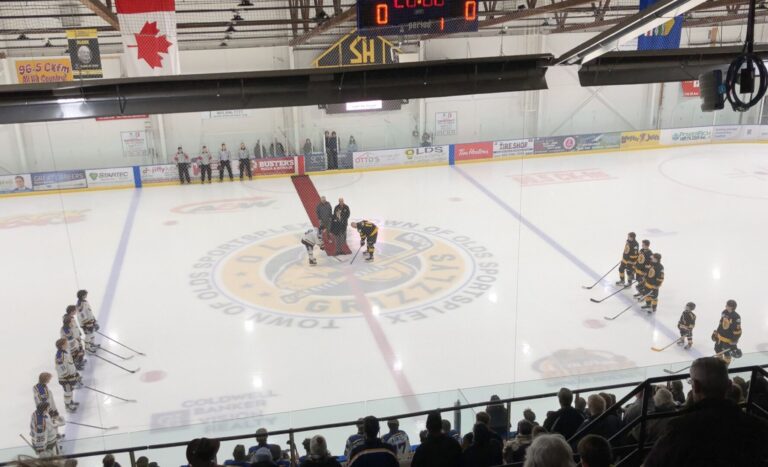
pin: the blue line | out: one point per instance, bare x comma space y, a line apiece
558, 247
109, 296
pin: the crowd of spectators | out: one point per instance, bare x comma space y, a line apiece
706, 427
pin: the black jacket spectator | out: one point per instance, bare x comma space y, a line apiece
439, 449
373, 452
566, 420
484, 451
607, 427
499, 423
324, 213
714, 431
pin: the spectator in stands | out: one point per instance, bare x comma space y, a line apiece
73, 463
307, 148
142, 461
426, 140
332, 150
595, 451
499, 417
261, 442
238, 457
676, 387
538, 430
759, 394
259, 151
423, 436
714, 431
324, 213
373, 452
438, 449
263, 458
109, 459
566, 420
319, 455
738, 381
279, 149
734, 394
529, 415
450, 432
581, 405
549, 451
398, 439
654, 428
633, 410
351, 145
354, 440
339, 223
485, 451
514, 450
466, 441
605, 427
201, 452
485, 419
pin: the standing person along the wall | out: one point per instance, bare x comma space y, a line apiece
351, 145
279, 149
182, 162
224, 163
307, 148
205, 160
244, 157
259, 151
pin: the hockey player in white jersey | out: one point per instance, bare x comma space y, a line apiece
42, 393
45, 436
71, 333
311, 238
399, 439
87, 320
69, 378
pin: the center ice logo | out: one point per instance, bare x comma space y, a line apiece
420, 272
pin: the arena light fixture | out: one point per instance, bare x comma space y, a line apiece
245, 3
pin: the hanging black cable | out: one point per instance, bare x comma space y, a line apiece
745, 75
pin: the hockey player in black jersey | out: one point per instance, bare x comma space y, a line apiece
641, 266
728, 333
686, 324
628, 260
653, 280
368, 233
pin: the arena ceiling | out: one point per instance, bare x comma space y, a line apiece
38, 27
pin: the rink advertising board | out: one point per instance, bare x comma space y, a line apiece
554, 144
513, 147
274, 166
345, 160
405, 156
640, 139
735, 132
314, 162
62, 180
17, 183
473, 151
119, 176
598, 141
696, 135
44, 70
159, 173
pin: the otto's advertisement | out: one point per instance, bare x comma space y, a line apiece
407, 156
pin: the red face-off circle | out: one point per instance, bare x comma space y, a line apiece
152, 376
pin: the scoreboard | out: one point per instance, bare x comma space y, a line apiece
390, 17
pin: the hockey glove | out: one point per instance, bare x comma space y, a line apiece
714, 336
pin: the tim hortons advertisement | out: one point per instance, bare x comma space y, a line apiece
473, 151
394, 157
696, 135
513, 147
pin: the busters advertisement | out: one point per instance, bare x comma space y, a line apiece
66, 179
274, 166
513, 147
407, 156
554, 144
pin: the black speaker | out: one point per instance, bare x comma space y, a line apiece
712, 91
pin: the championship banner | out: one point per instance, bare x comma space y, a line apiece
44, 70
148, 28
83, 46
664, 36
640, 139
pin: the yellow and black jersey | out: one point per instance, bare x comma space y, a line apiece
729, 329
630, 252
367, 229
687, 320
655, 276
643, 260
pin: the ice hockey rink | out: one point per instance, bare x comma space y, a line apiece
477, 281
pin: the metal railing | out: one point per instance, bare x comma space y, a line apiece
756, 372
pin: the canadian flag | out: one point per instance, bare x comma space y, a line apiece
148, 28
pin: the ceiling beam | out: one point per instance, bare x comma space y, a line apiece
103, 12
520, 14
348, 15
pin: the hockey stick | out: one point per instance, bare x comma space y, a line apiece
611, 318
121, 344
110, 395
358, 251
670, 372
97, 427
115, 354
604, 275
661, 349
28, 443
593, 300
115, 364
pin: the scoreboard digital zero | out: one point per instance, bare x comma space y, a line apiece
389, 17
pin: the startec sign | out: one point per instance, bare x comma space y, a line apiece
473, 151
